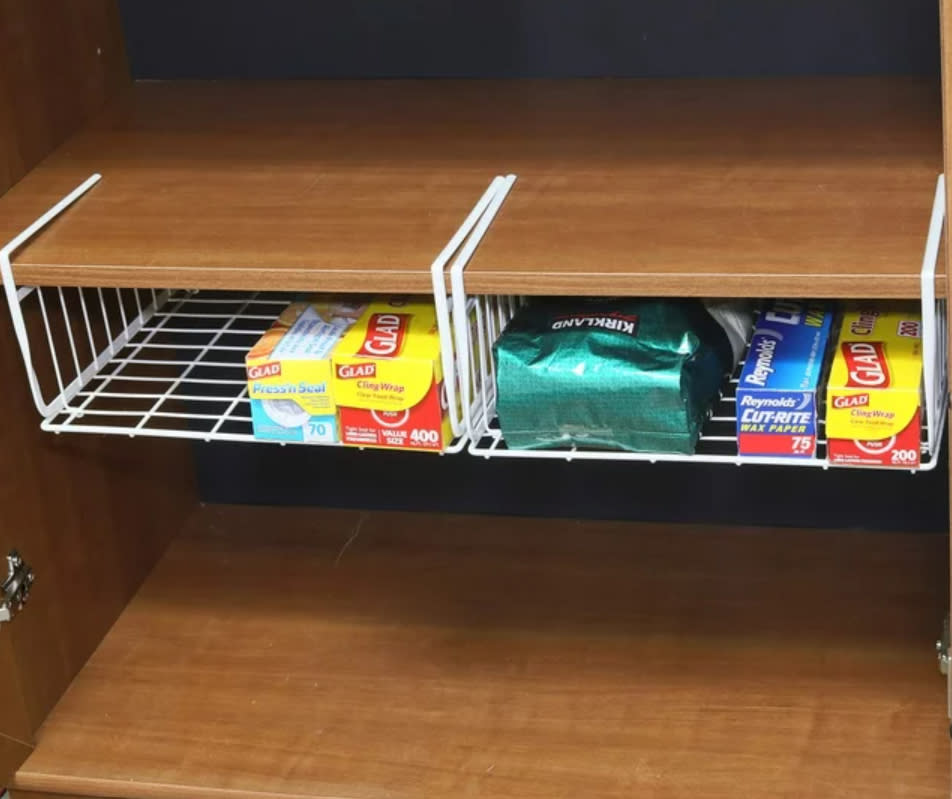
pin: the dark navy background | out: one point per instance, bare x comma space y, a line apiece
248, 39
527, 38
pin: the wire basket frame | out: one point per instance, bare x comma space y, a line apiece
170, 362
480, 319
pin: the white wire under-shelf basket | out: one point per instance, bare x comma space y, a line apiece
176, 371
479, 320
171, 363
717, 443
160, 363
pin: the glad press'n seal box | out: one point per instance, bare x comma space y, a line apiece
289, 372
777, 402
388, 379
874, 396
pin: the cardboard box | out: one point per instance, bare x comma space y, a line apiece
777, 394
289, 372
874, 396
388, 379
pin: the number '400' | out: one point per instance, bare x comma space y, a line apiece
425, 436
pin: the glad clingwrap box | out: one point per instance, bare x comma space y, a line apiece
289, 372
777, 403
388, 379
874, 401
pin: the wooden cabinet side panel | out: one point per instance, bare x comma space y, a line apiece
945, 29
91, 516
59, 62
15, 731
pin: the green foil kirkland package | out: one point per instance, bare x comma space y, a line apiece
631, 374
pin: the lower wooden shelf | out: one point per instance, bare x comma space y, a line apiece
318, 653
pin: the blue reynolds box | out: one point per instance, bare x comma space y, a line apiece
777, 393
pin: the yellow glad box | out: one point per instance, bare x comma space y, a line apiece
389, 359
874, 390
289, 371
388, 378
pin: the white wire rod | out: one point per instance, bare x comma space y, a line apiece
191, 362
13, 295
188, 369
187, 380
206, 330
145, 416
69, 331
489, 387
122, 309
105, 321
24, 291
930, 328
49, 338
502, 316
486, 380
457, 444
448, 352
478, 449
217, 347
249, 299
107, 354
152, 396
458, 287
820, 442
195, 435
231, 386
94, 368
229, 410
198, 435
705, 438
942, 418
69, 392
186, 315
86, 320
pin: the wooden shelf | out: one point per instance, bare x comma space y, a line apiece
308, 653
755, 188
817, 187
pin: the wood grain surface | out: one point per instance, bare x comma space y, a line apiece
760, 188
818, 187
59, 62
91, 516
16, 732
945, 29
306, 653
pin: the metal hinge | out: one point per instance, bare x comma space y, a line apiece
942, 648
15, 589
942, 653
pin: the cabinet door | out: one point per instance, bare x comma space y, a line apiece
91, 517
945, 18
15, 732
20, 529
